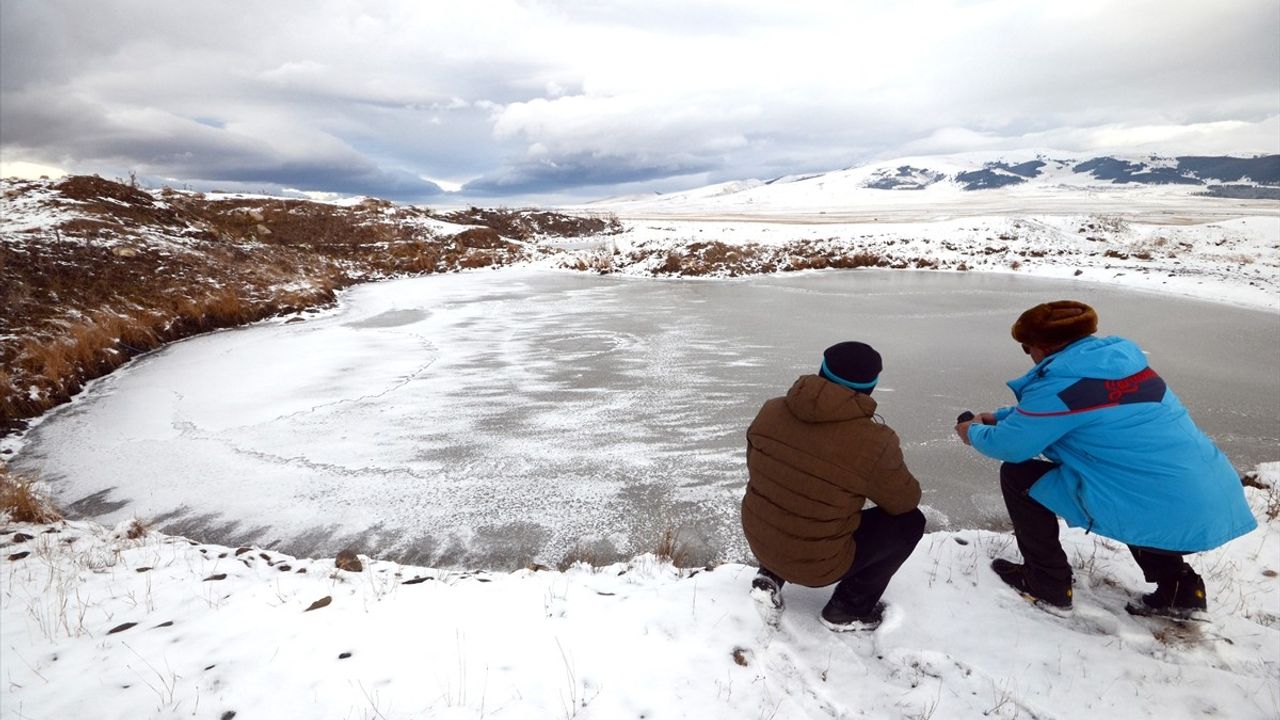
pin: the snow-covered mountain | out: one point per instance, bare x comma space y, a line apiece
1024, 174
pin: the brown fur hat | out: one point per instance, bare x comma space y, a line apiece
1057, 323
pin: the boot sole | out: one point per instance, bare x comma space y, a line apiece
769, 606
848, 627
768, 598
1180, 614
1046, 606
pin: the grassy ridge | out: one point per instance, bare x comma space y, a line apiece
94, 272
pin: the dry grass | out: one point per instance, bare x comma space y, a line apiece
525, 224
135, 529
1254, 480
719, 258
671, 548
579, 554
21, 501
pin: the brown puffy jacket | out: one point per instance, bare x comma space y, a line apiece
814, 458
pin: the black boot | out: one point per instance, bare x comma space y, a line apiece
1015, 576
766, 591
841, 619
1180, 597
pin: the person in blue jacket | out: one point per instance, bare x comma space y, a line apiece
1123, 459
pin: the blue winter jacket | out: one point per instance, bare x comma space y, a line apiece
1131, 464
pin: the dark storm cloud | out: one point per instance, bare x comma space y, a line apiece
162, 145
543, 176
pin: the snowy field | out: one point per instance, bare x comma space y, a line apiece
1228, 258
490, 420
1061, 223
95, 625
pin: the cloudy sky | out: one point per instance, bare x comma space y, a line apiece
502, 100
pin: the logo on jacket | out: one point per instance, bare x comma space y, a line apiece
1093, 394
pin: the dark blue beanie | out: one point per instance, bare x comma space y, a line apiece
854, 365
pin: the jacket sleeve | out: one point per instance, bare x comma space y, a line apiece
1019, 436
892, 487
1003, 413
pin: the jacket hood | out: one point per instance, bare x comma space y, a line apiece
816, 399
1102, 358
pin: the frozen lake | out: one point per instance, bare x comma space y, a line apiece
491, 419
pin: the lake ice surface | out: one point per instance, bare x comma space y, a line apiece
496, 418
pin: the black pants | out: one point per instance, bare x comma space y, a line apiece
1036, 529
884, 542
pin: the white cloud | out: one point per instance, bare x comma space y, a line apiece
1211, 138
29, 170
523, 93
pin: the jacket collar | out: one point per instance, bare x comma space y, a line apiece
816, 399
1044, 367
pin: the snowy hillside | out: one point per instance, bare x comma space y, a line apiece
1207, 227
1031, 179
97, 625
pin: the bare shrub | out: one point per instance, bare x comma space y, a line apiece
864, 258
600, 261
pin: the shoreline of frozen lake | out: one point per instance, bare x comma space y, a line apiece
492, 419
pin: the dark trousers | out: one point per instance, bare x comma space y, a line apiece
884, 542
1036, 529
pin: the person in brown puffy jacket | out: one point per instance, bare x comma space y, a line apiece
814, 458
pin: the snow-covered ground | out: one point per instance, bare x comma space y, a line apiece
1058, 221
1231, 259
96, 625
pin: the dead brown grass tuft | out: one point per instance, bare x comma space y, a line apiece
482, 237
135, 529
719, 258
579, 554
477, 259
1254, 480
22, 502
526, 224
671, 548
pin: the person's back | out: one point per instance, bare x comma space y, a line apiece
1123, 460
814, 457
1133, 466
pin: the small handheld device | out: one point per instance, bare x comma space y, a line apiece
965, 416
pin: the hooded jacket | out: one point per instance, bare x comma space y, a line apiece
814, 457
1131, 464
